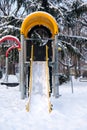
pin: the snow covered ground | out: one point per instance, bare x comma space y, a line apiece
69, 110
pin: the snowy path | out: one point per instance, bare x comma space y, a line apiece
39, 87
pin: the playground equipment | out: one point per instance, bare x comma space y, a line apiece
14, 44
39, 32
39, 83
83, 78
11, 38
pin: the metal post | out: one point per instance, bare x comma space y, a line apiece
19, 70
53, 69
22, 69
24, 51
56, 68
70, 77
6, 70
25, 68
71, 84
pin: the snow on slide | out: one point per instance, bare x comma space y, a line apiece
39, 87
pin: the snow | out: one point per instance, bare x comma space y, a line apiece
84, 0
39, 86
69, 110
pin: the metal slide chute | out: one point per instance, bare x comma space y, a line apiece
39, 87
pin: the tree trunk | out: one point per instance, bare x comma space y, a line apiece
11, 68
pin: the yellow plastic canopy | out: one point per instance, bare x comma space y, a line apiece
39, 18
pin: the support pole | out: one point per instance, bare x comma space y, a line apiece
56, 68
6, 69
22, 69
19, 70
55, 78
53, 69
25, 68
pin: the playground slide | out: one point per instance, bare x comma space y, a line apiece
39, 99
